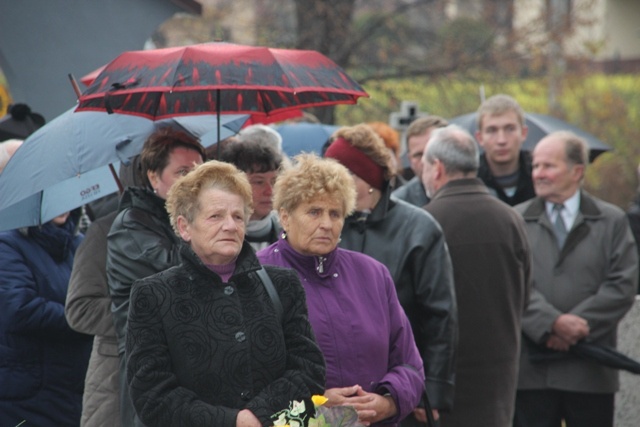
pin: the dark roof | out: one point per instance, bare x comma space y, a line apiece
44, 41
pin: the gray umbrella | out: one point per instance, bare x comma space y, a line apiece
540, 125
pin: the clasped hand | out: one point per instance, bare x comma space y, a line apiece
567, 330
371, 407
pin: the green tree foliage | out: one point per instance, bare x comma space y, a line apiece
606, 106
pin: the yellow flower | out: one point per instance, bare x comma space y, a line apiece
319, 399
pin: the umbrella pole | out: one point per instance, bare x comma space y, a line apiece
115, 176
75, 86
218, 118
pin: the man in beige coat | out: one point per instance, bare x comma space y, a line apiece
585, 277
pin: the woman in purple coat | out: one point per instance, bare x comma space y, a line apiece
372, 361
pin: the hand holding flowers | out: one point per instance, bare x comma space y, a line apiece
312, 413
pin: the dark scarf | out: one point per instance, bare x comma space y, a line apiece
54, 239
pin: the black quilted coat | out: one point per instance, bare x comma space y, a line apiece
200, 350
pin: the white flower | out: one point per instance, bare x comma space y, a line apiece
297, 408
281, 421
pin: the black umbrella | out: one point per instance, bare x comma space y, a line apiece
19, 123
540, 126
597, 353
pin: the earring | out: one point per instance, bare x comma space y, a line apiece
370, 190
283, 235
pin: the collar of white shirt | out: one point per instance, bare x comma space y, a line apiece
570, 211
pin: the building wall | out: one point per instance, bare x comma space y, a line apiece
623, 20
607, 30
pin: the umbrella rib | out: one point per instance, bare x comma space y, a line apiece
261, 96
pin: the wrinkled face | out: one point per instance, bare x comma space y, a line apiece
415, 148
218, 227
314, 227
501, 137
262, 190
181, 161
554, 179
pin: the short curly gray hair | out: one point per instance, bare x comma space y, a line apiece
182, 198
311, 177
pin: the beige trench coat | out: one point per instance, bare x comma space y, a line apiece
88, 310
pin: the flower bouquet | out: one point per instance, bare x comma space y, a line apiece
312, 413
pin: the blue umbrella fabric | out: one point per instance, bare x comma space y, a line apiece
65, 164
66, 195
304, 137
540, 125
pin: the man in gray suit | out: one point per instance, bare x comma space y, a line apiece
585, 272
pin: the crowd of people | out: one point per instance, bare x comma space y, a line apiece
220, 289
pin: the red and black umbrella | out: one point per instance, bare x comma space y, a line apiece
218, 77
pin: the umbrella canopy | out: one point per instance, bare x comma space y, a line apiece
539, 125
88, 79
218, 77
65, 164
307, 137
64, 196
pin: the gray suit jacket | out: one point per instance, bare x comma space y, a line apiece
594, 276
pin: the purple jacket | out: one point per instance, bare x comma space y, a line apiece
358, 322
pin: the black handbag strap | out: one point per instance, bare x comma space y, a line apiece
425, 400
427, 407
271, 290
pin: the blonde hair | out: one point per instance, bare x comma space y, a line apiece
421, 125
311, 177
497, 105
365, 139
183, 196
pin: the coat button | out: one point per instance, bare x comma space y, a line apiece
245, 395
228, 290
240, 336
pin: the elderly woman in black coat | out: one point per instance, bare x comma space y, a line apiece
205, 342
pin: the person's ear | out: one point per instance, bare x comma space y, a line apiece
183, 228
153, 179
478, 136
578, 172
439, 169
284, 219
